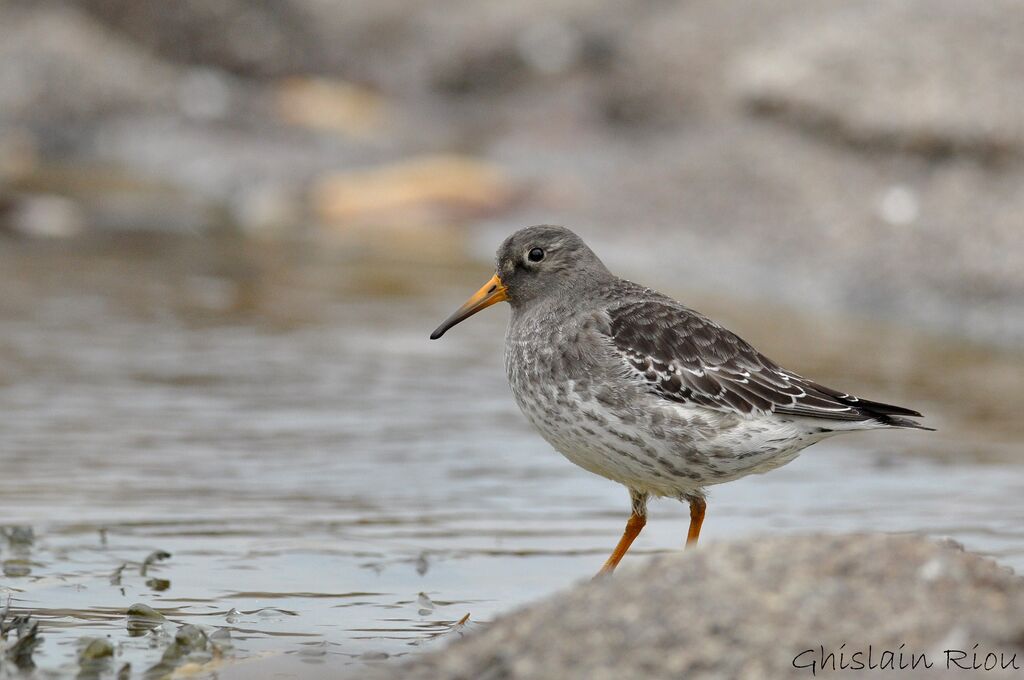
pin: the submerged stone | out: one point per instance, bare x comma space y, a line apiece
142, 617
95, 648
144, 611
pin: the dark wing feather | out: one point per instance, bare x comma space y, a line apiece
688, 358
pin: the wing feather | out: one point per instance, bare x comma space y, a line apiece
685, 357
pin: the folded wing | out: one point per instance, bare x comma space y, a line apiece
687, 358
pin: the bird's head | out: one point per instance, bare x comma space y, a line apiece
531, 264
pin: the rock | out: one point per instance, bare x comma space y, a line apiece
142, 618
95, 648
936, 77
433, 190
752, 609
185, 655
144, 611
833, 158
758, 211
56, 64
248, 37
190, 638
331, 105
42, 216
397, 46
672, 60
16, 567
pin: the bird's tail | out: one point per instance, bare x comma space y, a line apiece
896, 421
891, 415
887, 414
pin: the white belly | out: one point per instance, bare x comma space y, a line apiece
656, 446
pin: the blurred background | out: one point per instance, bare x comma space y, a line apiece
228, 226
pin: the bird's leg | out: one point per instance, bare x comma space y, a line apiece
697, 507
634, 525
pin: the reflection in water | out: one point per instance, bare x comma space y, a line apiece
274, 452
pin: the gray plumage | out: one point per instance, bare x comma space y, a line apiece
636, 387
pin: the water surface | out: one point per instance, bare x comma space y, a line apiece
335, 489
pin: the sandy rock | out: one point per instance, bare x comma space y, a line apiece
927, 76
755, 210
426, 190
749, 609
248, 37
394, 45
331, 105
41, 215
58, 64
842, 159
672, 61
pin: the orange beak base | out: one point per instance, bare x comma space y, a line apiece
492, 292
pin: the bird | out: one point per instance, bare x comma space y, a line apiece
638, 388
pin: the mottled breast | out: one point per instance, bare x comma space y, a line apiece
584, 403
590, 407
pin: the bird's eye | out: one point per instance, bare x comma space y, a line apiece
536, 255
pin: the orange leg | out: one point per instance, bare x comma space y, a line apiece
697, 508
634, 525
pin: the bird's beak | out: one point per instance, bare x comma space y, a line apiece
490, 293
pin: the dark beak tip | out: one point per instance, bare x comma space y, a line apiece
436, 334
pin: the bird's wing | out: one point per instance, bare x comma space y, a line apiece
687, 358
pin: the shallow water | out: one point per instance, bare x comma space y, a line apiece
336, 489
